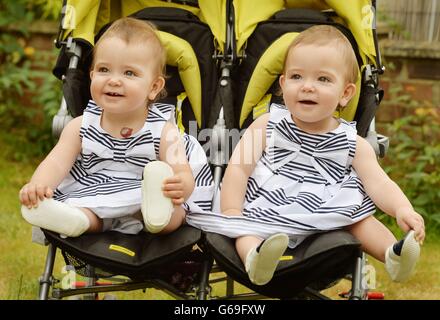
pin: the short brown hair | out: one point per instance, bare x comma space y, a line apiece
324, 35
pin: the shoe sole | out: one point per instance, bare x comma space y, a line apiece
270, 253
58, 217
156, 208
409, 256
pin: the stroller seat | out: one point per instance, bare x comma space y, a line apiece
328, 257
135, 256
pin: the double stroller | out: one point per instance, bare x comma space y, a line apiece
223, 64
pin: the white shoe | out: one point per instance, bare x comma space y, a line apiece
400, 267
58, 217
156, 208
261, 265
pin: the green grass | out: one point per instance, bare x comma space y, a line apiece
423, 285
22, 262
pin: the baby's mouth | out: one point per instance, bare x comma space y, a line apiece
309, 102
113, 94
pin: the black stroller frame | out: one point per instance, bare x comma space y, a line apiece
206, 253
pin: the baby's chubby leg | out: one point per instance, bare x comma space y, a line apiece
245, 244
62, 218
375, 238
96, 223
176, 220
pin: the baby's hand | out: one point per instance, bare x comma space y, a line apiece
173, 188
32, 192
408, 219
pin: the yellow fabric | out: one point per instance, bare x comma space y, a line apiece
213, 13
180, 98
262, 107
249, 13
180, 54
92, 15
83, 19
129, 7
356, 14
267, 70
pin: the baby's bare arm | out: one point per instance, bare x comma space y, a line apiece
241, 165
171, 150
54, 167
384, 192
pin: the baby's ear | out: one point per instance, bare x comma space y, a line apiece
281, 81
348, 93
156, 87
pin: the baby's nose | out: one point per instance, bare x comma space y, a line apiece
114, 80
308, 87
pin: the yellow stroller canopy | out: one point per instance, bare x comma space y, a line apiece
356, 15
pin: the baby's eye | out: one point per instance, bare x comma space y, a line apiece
324, 79
295, 76
129, 73
102, 69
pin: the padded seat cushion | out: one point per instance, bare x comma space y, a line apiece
318, 261
131, 255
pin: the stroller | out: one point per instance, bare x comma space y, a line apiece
217, 55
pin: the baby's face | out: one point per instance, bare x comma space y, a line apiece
124, 76
314, 83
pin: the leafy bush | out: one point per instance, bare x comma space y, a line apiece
413, 160
14, 67
46, 9
28, 90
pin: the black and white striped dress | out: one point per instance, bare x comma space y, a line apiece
303, 184
108, 172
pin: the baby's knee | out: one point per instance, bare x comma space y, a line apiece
96, 223
177, 219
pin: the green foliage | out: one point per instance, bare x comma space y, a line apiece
413, 160
14, 69
47, 9
16, 13
27, 87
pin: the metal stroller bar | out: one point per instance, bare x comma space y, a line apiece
218, 139
74, 52
157, 284
57, 40
380, 68
46, 280
358, 292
